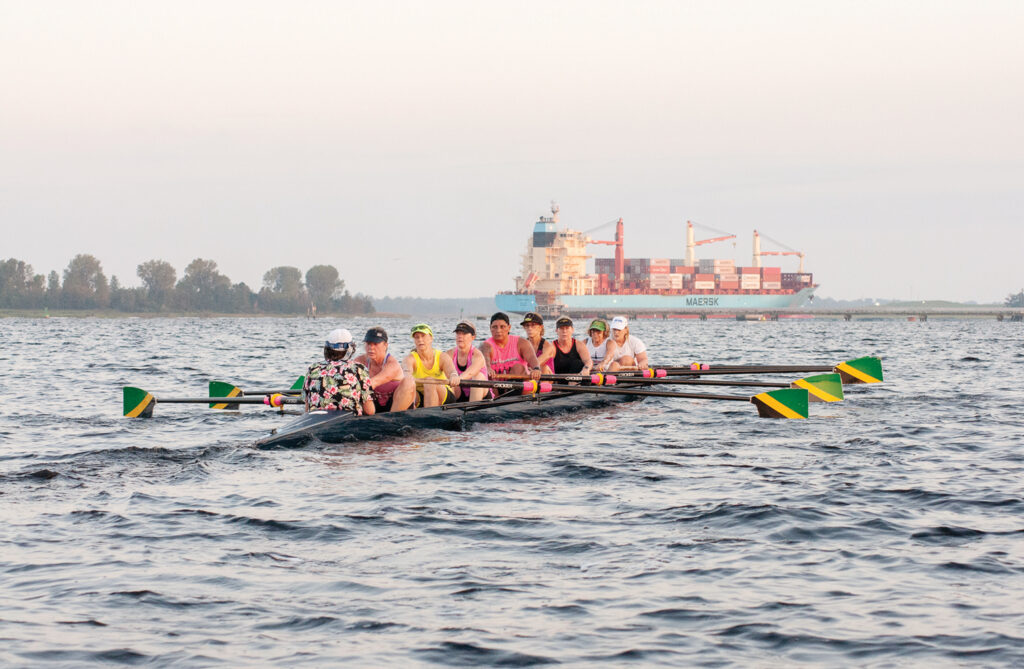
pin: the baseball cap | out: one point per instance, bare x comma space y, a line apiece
338, 340
620, 323
465, 326
598, 324
422, 327
375, 335
564, 321
500, 316
532, 318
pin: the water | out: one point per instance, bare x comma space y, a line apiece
885, 531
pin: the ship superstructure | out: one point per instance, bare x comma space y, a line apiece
554, 277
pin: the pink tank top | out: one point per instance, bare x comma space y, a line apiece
505, 358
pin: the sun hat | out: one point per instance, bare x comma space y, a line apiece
620, 323
422, 327
465, 326
532, 318
375, 335
338, 340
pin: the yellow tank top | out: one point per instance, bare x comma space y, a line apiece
421, 372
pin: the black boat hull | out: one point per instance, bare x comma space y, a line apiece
333, 427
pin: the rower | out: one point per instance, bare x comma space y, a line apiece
601, 348
631, 351
534, 326
509, 354
392, 389
440, 367
338, 383
470, 363
571, 355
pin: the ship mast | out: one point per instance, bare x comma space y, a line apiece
757, 249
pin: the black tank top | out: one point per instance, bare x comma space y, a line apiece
567, 363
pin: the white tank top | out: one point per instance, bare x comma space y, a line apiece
597, 353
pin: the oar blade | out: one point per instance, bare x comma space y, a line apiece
137, 402
822, 387
223, 389
785, 403
298, 383
861, 370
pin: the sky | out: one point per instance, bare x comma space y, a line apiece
413, 144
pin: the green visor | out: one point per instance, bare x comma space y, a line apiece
598, 325
422, 327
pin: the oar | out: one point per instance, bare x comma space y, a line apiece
139, 403
867, 369
785, 403
224, 389
822, 388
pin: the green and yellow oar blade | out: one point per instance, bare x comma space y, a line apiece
822, 387
222, 389
862, 370
785, 403
137, 402
298, 383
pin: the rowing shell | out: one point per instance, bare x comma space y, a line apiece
334, 427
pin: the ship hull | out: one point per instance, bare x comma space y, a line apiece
522, 303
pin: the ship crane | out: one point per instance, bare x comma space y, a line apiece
788, 252
620, 259
691, 245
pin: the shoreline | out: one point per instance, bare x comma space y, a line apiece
112, 313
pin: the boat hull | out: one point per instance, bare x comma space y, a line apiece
525, 302
333, 427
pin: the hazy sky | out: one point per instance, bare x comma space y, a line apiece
413, 144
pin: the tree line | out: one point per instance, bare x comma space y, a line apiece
201, 287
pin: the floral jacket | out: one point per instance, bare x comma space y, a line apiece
337, 384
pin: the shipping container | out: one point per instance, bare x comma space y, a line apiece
683, 269
771, 285
705, 277
750, 270
729, 285
659, 262
659, 269
703, 285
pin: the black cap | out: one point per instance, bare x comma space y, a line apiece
532, 318
375, 336
501, 316
563, 322
467, 327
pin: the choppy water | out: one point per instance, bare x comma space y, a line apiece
885, 531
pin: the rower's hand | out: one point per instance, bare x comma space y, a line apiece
535, 375
454, 381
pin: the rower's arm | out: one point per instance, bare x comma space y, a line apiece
478, 364
610, 349
641, 360
584, 354
391, 372
448, 366
547, 354
528, 354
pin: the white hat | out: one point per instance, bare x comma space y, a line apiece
339, 339
619, 323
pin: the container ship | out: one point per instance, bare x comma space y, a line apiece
554, 278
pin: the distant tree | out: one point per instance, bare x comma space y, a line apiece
53, 289
203, 287
283, 291
85, 284
358, 304
323, 285
158, 277
1015, 301
19, 286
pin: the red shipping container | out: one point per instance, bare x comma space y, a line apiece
660, 269
705, 277
729, 285
750, 270
683, 269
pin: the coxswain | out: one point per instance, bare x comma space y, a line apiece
338, 383
601, 348
545, 350
631, 351
392, 389
571, 355
509, 354
469, 362
426, 363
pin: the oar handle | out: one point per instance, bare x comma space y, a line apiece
525, 387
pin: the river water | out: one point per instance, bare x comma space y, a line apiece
887, 530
